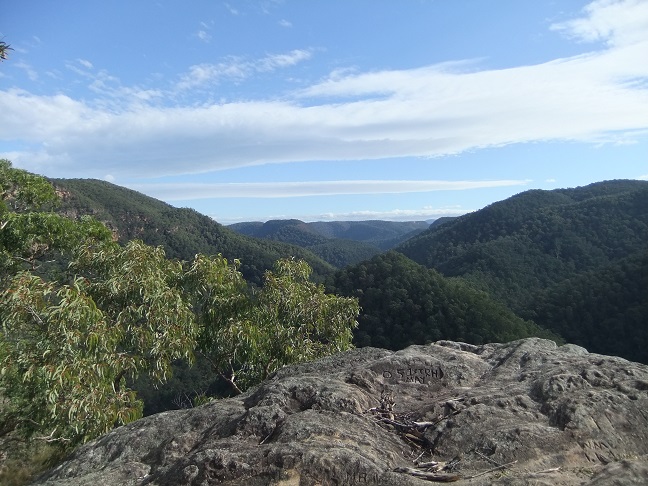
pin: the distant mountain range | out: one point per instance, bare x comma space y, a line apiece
340, 243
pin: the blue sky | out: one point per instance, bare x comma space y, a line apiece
327, 110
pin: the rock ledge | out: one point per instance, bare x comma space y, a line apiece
442, 412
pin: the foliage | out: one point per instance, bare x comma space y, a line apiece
290, 319
606, 310
136, 288
68, 349
29, 230
4, 48
73, 342
405, 303
342, 253
59, 362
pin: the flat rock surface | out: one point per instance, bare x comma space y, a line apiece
525, 412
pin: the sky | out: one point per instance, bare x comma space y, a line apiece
324, 110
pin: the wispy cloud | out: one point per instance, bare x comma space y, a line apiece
85, 63
419, 214
392, 215
189, 191
204, 36
238, 68
231, 9
29, 70
276, 61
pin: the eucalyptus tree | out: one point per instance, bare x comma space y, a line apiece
246, 334
72, 340
69, 343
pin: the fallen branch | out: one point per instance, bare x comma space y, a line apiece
429, 476
547, 471
503, 466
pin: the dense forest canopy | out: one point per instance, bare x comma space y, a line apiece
404, 303
517, 246
568, 259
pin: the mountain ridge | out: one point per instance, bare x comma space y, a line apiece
340, 243
182, 232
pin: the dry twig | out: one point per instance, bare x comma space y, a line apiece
429, 476
503, 466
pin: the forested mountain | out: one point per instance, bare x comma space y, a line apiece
517, 247
339, 243
573, 260
336, 251
181, 232
381, 234
406, 303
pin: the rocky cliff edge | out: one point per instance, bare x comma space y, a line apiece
525, 412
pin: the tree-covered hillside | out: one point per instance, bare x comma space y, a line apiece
517, 247
605, 310
381, 234
336, 251
181, 232
568, 260
571, 260
405, 303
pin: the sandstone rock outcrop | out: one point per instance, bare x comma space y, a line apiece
525, 412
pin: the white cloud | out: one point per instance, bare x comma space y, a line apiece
643, 177
29, 70
616, 22
203, 36
85, 63
393, 215
431, 111
231, 9
285, 23
276, 61
190, 191
204, 74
